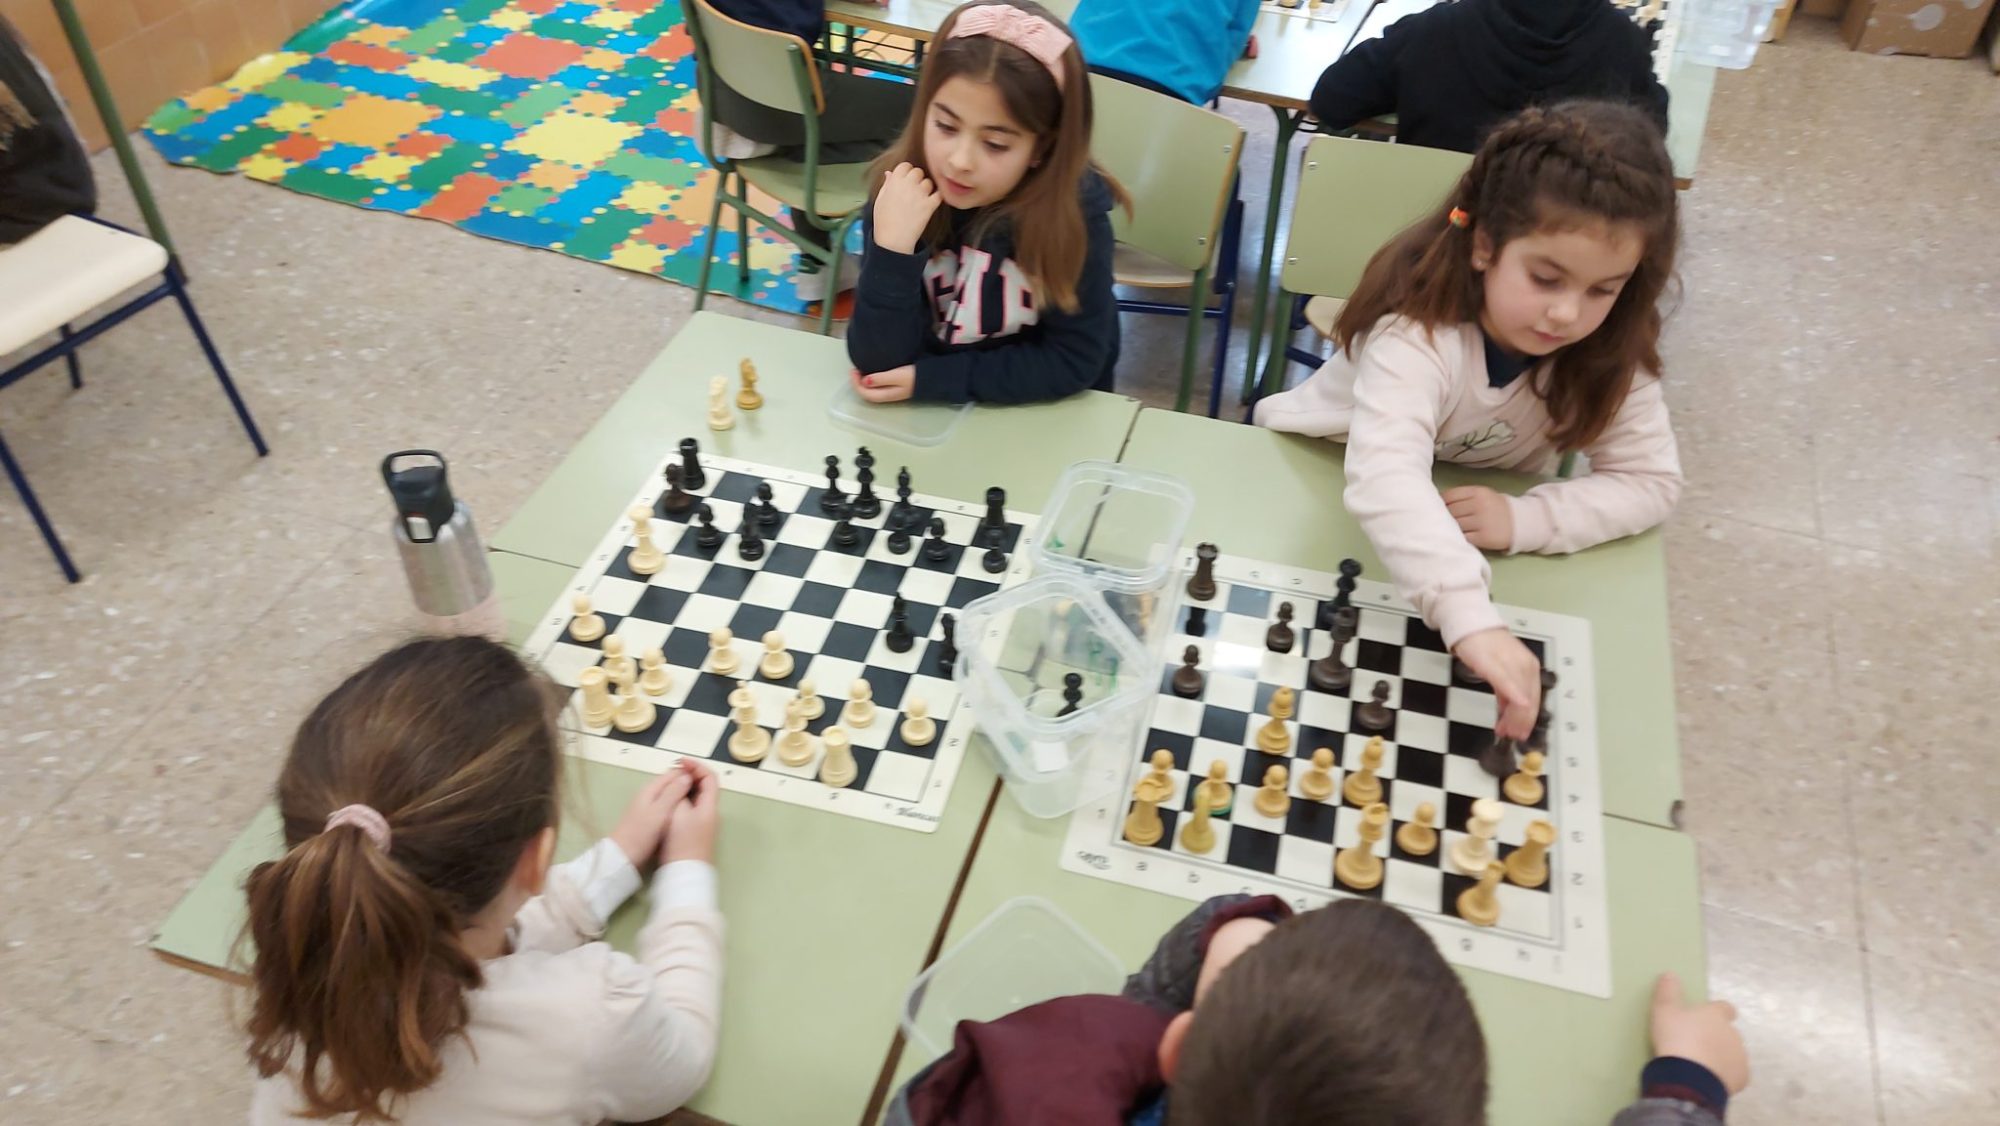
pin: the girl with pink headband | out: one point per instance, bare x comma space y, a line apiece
986, 261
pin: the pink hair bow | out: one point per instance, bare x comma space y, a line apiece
1026, 30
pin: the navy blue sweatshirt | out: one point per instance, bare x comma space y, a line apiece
803, 18
966, 316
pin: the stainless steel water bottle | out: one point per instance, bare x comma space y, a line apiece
443, 558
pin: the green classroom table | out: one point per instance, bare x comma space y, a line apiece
828, 917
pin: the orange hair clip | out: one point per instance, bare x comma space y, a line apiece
1460, 218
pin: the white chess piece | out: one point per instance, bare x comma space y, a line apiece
588, 626
777, 664
918, 727
654, 679
721, 658
837, 768
749, 742
596, 697
619, 667
859, 710
719, 416
795, 746
1474, 851
646, 557
810, 705
634, 714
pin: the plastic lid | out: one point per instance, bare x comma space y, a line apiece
1113, 525
917, 424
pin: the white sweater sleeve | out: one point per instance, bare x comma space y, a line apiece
666, 1005
578, 900
1402, 393
1633, 483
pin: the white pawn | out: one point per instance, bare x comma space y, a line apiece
918, 726
654, 679
646, 557
810, 705
719, 417
596, 697
837, 768
860, 708
795, 746
1474, 851
777, 664
721, 658
619, 667
588, 626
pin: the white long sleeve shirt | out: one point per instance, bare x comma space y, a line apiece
1412, 397
567, 1030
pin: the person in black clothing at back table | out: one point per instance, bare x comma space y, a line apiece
1452, 71
44, 172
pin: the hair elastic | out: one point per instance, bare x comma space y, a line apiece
1024, 29
1460, 218
363, 818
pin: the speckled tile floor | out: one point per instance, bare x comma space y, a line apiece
1834, 367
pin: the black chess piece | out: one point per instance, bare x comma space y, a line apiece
844, 534
1188, 680
996, 510
1343, 594
1330, 673
691, 475
1281, 635
1375, 715
832, 497
935, 549
899, 639
866, 504
1499, 758
947, 653
767, 513
995, 560
902, 511
1072, 693
708, 537
899, 542
675, 499
1463, 674
749, 544
1197, 621
1538, 738
1201, 587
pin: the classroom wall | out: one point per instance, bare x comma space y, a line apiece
155, 50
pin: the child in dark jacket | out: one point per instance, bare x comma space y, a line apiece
1450, 72
986, 262
1337, 1016
44, 172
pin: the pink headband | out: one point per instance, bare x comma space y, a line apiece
363, 818
1024, 29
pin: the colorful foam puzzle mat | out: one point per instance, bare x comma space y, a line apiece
568, 125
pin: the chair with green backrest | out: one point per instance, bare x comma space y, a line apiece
1178, 161
776, 70
1353, 196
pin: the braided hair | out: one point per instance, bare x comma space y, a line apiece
1556, 167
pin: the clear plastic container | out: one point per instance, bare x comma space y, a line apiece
917, 424
1017, 649
1118, 529
1723, 33
1025, 953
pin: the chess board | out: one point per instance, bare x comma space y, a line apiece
1555, 934
831, 603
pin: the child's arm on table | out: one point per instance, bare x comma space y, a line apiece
1633, 483
1699, 1062
581, 893
892, 314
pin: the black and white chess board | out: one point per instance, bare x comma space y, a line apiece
1555, 934
831, 604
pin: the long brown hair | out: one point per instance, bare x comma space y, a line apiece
1574, 162
1339, 1015
359, 975
1051, 248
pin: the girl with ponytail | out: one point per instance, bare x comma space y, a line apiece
417, 958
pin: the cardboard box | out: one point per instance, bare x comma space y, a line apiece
1780, 17
1942, 29
1828, 9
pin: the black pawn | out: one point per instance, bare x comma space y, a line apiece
767, 513
995, 560
1197, 623
708, 537
935, 549
866, 504
691, 474
749, 544
1376, 714
844, 534
1279, 638
1072, 693
900, 514
899, 542
899, 639
996, 509
1330, 673
832, 497
1188, 680
1201, 587
675, 499
947, 653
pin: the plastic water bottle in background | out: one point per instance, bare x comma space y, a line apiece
443, 558
1723, 33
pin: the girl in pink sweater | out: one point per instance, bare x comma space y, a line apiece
1519, 322
418, 960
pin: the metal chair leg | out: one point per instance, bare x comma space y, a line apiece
742, 242
74, 362
41, 518
708, 244
215, 361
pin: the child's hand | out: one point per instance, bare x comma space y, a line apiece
1483, 515
1705, 1034
646, 817
1514, 674
892, 386
691, 833
903, 208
